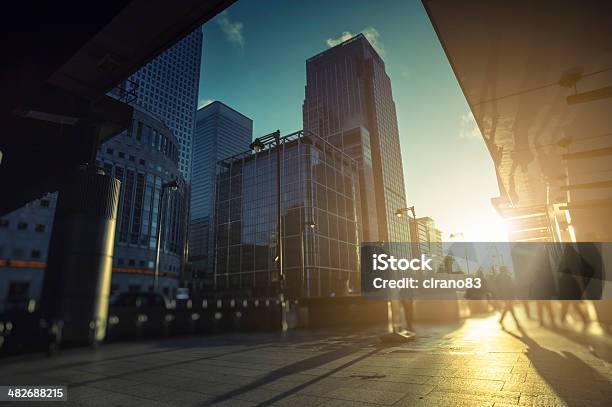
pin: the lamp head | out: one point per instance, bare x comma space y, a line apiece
172, 185
257, 145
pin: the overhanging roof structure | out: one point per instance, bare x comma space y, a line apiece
537, 76
59, 59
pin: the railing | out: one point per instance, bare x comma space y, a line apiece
26, 332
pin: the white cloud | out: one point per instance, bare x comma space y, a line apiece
231, 29
332, 42
469, 128
370, 33
204, 102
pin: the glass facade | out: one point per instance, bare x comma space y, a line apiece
348, 101
319, 216
168, 89
156, 149
220, 132
143, 158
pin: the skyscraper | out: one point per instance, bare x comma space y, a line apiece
349, 102
168, 88
155, 150
221, 132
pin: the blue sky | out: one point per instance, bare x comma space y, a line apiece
254, 57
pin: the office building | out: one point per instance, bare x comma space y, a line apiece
155, 150
24, 241
164, 93
221, 132
320, 216
349, 102
144, 158
167, 87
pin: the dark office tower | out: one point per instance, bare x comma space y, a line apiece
349, 103
168, 88
221, 132
155, 150
165, 93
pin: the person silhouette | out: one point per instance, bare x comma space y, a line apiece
574, 273
506, 291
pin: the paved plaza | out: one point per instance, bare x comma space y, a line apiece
472, 363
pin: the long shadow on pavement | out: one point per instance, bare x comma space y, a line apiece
168, 346
599, 347
549, 364
298, 367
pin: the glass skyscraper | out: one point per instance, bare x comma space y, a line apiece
220, 132
348, 101
320, 221
167, 87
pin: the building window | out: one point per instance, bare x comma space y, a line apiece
142, 162
131, 262
121, 154
139, 131
120, 261
4, 223
18, 253
132, 158
22, 225
35, 254
18, 292
40, 228
44, 203
109, 151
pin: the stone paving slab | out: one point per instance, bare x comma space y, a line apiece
472, 363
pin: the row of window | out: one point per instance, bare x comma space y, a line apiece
19, 253
120, 261
121, 154
135, 288
5, 224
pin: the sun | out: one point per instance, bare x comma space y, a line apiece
484, 229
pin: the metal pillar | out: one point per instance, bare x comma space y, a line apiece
74, 299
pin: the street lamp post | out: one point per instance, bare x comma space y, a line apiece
257, 146
408, 305
173, 186
399, 212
